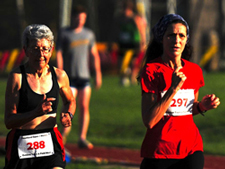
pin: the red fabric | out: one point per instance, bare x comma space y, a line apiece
173, 137
20, 57
138, 59
4, 59
9, 144
60, 141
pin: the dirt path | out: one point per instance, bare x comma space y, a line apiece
122, 156
129, 157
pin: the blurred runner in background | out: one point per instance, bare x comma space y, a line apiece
129, 30
74, 45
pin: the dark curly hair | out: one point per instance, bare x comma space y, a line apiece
155, 50
78, 9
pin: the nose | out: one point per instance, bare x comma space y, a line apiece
177, 38
39, 51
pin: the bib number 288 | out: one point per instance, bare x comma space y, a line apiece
36, 145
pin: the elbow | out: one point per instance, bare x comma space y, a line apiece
149, 125
8, 125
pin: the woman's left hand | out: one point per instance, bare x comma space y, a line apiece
65, 119
210, 102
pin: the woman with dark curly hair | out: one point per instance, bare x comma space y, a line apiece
170, 88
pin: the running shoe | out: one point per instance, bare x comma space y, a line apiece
85, 144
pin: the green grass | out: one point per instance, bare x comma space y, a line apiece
116, 117
212, 125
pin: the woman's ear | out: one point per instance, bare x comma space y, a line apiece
53, 47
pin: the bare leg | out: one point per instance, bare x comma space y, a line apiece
84, 96
134, 75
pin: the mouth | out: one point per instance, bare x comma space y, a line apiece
175, 48
40, 61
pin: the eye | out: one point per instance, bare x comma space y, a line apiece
172, 35
36, 48
46, 49
182, 35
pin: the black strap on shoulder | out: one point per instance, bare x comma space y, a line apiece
23, 74
22, 68
53, 72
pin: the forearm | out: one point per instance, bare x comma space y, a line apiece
195, 109
152, 115
18, 120
97, 65
69, 106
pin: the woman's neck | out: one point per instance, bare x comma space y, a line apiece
37, 73
173, 63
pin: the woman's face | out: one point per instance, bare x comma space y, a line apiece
39, 53
174, 40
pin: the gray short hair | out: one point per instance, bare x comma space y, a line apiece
37, 32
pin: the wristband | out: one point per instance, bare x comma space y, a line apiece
71, 115
199, 110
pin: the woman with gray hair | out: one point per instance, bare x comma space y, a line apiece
31, 100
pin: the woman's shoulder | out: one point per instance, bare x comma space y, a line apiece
16, 70
154, 64
60, 73
14, 78
192, 65
62, 77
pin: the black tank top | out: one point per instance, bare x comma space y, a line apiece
29, 100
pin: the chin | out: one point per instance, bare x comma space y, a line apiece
41, 66
176, 54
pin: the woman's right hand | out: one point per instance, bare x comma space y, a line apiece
178, 79
45, 106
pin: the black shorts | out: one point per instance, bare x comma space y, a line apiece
79, 83
55, 158
194, 161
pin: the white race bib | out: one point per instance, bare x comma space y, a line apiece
35, 145
182, 103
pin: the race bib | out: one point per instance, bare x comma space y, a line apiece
35, 145
182, 103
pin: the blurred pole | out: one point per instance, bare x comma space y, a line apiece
222, 28
92, 19
20, 10
171, 6
64, 13
195, 14
144, 9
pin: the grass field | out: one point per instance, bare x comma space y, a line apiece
116, 116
